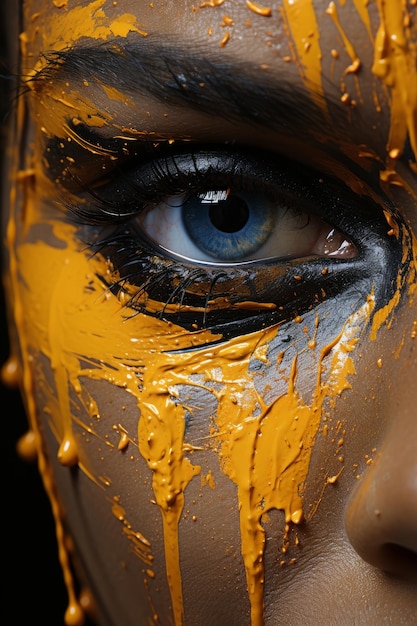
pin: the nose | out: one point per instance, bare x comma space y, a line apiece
381, 517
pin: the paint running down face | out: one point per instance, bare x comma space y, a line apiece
211, 262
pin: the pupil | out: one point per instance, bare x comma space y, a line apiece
229, 215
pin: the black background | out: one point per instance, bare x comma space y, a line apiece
32, 585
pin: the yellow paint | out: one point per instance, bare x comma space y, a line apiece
302, 21
72, 325
355, 61
62, 29
114, 94
258, 9
363, 12
395, 64
385, 313
141, 546
265, 449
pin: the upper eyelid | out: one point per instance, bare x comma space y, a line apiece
120, 200
85, 162
179, 74
89, 148
142, 65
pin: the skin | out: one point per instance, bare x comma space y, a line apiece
339, 533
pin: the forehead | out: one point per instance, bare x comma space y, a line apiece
286, 31
317, 44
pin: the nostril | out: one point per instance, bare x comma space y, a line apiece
398, 561
381, 518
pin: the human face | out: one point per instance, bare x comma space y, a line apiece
223, 407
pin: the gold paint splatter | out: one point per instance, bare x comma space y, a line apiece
258, 9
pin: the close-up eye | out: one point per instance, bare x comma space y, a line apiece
219, 207
238, 226
235, 225
214, 237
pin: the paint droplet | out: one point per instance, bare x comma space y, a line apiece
68, 452
224, 40
211, 3
259, 10
118, 511
353, 67
297, 516
74, 615
123, 440
86, 601
26, 446
394, 153
10, 373
227, 21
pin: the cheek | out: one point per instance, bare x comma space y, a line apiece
172, 433
180, 435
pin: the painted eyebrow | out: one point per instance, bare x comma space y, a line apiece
178, 74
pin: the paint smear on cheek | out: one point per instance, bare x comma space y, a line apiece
264, 449
71, 320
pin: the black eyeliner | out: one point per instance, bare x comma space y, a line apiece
184, 290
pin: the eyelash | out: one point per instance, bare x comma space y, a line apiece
198, 296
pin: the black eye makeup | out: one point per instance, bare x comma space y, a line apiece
232, 239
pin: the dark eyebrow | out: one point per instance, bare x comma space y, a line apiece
178, 74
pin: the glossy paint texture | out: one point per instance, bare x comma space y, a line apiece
180, 439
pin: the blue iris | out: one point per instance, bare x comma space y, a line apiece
228, 225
